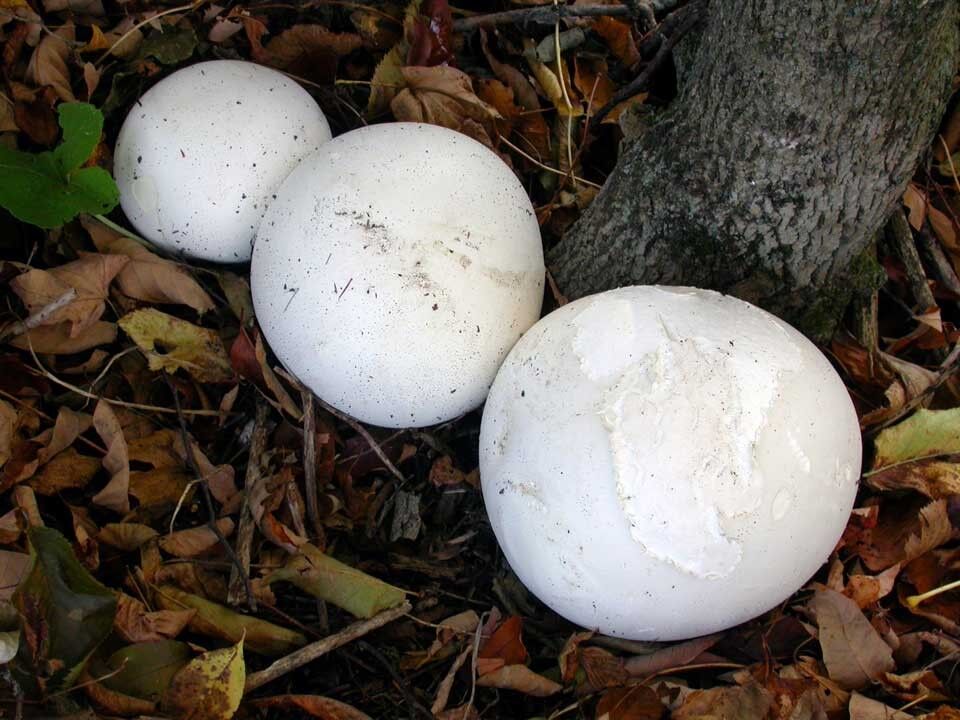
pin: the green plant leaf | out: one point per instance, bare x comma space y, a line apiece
64, 614
145, 670
49, 188
924, 434
171, 46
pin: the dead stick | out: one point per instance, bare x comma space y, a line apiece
40, 316
310, 467
317, 649
544, 15
240, 575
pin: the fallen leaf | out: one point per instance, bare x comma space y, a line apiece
67, 470
8, 427
182, 345
56, 339
48, 64
197, 541
630, 703
387, 80
618, 35
134, 623
13, 568
209, 687
146, 669
864, 708
523, 89
329, 579
443, 473
146, 276
65, 612
937, 479
115, 496
89, 277
161, 486
237, 291
675, 655
440, 95
505, 643
215, 620
520, 678
865, 590
80, 7
313, 705
430, 34
725, 703
113, 702
68, 426
853, 651
602, 668
922, 684
916, 203
310, 51
925, 433
126, 536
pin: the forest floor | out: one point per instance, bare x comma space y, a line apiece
124, 464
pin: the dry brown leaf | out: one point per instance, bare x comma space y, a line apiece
314, 706
937, 479
148, 277
904, 531
944, 228
90, 276
916, 203
630, 703
864, 708
115, 495
747, 702
865, 590
440, 95
13, 567
126, 536
283, 400
9, 419
92, 364
48, 64
506, 643
671, 656
68, 426
500, 97
134, 623
520, 678
195, 541
618, 35
160, 486
461, 712
443, 473
65, 471
853, 651
913, 685
310, 50
113, 702
523, 89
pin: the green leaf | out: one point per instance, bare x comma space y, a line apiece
64, 613
923, 434
171, 46
146, 669
82, 125
49, 188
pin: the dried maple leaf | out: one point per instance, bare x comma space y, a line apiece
146, 276
89, 277
310, 51
853, 651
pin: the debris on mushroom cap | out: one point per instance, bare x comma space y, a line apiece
661, 463
201, 154
395, 270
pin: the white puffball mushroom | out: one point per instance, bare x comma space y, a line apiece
660, 463
201, 154
395, 270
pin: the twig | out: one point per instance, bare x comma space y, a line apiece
543, 15
547, 167
317, 649
310, 467
240, 575
899, 232
673, 27
208, 499
40, 316
362, 431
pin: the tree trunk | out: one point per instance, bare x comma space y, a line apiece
794, 135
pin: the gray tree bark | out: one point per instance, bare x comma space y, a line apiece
796, 130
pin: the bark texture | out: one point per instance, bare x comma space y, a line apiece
794, 135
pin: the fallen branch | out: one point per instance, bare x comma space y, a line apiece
40, 316
549, 14
240, 576
317, 649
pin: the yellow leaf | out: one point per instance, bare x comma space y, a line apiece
197, 350
210, 687
387, 80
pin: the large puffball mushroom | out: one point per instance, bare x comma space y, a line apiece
201, 154
660, 463
395, 270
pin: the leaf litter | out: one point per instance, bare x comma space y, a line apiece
150, 566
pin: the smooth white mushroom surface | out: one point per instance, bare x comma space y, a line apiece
395, 270
201, 154
660, 463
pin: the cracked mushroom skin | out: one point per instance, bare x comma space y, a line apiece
201, 154
660, 463
395, 270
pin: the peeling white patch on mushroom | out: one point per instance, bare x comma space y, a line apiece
694, 461
201, 154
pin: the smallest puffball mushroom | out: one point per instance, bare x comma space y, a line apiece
201, 154
660, 463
